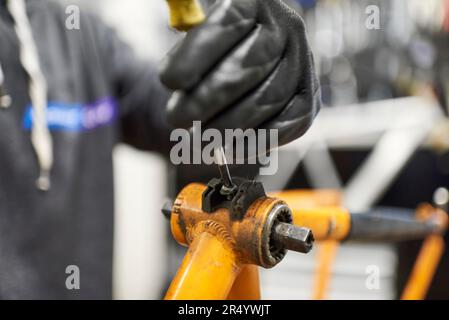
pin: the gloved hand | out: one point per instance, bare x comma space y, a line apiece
248, 65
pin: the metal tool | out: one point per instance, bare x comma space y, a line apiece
229, 186
292, 237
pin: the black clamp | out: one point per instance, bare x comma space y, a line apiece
237, 200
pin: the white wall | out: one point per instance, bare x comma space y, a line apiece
140, 228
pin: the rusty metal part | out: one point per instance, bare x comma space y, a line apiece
252, 235
292, 237
273, 252
221, 246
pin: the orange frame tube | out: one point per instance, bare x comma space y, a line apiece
247, 284
424, 269
207, 272
327, 252
309, 198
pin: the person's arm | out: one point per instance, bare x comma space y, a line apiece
141, 97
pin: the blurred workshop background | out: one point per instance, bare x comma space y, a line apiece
383, 139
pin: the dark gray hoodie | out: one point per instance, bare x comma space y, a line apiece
98, 94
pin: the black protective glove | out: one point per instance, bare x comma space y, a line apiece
248, 65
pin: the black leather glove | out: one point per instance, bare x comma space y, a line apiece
248, 65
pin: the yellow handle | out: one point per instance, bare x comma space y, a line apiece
185, 14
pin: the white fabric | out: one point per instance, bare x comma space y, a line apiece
40, 135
